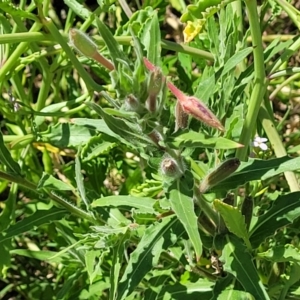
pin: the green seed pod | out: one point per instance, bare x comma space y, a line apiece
219, 174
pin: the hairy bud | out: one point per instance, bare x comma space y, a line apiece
194, 107
169, 167
181, 117
84, 45
219, 174
155, 83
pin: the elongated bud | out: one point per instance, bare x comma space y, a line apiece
219, 174
190, 104
155, 83
84, 45
181, 117
247, 210
169, 167
156, 137
194, 107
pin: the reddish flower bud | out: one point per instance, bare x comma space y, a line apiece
84, 45
194, 107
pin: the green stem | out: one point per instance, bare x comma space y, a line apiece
33, 187
276, 144
13, 59
206, 207
122, 40
259, 81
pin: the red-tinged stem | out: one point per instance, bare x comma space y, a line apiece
148, 64
176, 92
103, 61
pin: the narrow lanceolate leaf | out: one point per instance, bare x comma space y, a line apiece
38, 218
284, 210
151, 38
143, 204
234, 220
80, 181
49, 182
124, 129
117, 259
194, 139
7, 160
156, 239
183, 205
238, 262
114, 49
256, 169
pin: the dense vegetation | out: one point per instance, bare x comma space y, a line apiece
149, 150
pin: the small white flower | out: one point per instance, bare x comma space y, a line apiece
260, 142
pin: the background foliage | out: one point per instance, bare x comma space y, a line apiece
111, 187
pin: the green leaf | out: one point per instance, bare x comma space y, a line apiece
155, 239
183, 205
235, 295
236, 59
145, 256
256, 169
238, 262
49, 182
38, 218
117, 259
40, 255
96, 146
194, 139
94, 125
234, 220
151, 39
142, 203
284, 210
128, 131
80, 182
286, 253
202, 289
114, 49
9, 8
66, 135
7, 160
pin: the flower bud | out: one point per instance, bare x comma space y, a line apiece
154, 86
181, 117
132, 104
170, 168
156, 137
84, 45
219, 174
194, 107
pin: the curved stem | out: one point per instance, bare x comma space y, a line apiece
259, 81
